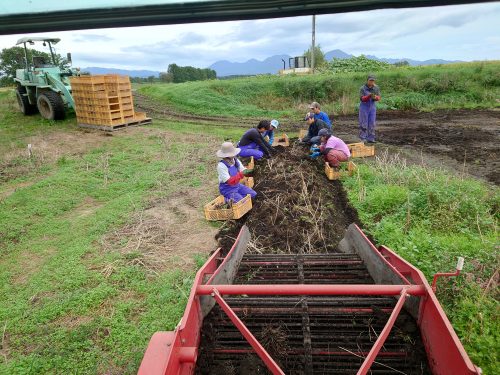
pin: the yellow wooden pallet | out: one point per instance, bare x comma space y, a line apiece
237, 210
333, 174
105, 102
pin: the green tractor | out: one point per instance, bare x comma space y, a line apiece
42, 85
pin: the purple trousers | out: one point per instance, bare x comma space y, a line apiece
251, 149
367, 115
236, 192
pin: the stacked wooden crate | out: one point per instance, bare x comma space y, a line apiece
105, 102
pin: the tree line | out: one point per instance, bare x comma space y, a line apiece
12, 59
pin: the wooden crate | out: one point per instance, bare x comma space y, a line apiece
235, 212
360, 150
248, 181
105, 102
282, 141
251, 164
332, 174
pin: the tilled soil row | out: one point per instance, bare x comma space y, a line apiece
297, 210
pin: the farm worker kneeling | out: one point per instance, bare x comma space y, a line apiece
315, 125
270, 133
369, 94
333, 149
253, 144
319, 114
231, 171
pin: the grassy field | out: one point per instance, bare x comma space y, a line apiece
468, 85
431, 218
79, 297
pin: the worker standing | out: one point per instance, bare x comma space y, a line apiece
270, 133
231, 171
333, 149
253, 144
369, 94
319, 114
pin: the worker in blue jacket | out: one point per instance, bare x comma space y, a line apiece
270, 133
320, 115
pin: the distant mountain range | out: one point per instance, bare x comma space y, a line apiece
131, 73
271, 65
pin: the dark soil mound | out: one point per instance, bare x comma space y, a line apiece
297, 208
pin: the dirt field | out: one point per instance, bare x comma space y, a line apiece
459, 140
464, 141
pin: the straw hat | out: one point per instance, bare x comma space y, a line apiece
227, 150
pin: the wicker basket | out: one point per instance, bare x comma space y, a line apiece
332, 174
235, 212
248, 181
282, 141
359, 150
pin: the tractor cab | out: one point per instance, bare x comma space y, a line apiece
42, 84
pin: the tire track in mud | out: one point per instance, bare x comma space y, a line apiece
154, 108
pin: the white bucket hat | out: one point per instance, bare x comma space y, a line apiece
275, 123
227, 150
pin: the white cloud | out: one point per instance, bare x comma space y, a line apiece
455, 32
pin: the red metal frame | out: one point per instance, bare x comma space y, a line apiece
441, 274
365, 367
312, 289
445, 352
259, 349
175, 353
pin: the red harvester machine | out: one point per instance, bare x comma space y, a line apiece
358, 311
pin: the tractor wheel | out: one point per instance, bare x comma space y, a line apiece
23, 101
51, 105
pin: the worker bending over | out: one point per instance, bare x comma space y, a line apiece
315, 125
333, 149
270, 133
319, 114
253, 144
231, 171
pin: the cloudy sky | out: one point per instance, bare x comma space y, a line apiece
465, 32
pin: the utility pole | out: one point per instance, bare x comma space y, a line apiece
313, 41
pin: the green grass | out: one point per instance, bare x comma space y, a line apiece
68, 305
64, 311
431, 218
453, 86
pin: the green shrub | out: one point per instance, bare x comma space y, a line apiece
469, 85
